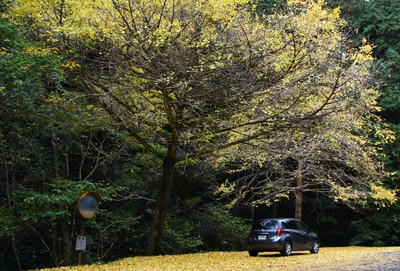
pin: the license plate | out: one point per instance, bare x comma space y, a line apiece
262, 237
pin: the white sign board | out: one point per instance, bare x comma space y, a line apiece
80, 243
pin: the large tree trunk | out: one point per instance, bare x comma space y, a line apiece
160, 214
299, 192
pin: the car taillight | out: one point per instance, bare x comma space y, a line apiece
280, 231
251, 229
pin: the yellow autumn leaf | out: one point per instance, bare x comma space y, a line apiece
331, 258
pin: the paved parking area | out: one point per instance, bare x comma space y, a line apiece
383, 261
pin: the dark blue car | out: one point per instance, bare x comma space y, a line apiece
281, 234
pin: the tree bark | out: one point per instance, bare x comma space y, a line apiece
275, 209
299, 192
299, 199
161, 208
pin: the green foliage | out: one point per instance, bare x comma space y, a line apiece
53, 210
56, 137
8, 224
57, 201
208, 228
266, 7
26, 73
377, 228
378, 21
222, 230
41, 139
181, 236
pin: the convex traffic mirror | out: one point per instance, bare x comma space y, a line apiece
88, 204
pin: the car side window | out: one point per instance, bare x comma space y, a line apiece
292, 225
302, 227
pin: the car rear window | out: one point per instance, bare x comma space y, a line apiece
266, 224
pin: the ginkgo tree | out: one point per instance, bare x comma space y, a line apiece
331, 159
191, 79
335, 157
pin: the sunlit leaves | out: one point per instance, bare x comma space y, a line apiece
201, 68
327, 101
383, 197
187, 79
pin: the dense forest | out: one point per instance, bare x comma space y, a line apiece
191, 119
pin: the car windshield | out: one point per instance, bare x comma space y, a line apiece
266, 224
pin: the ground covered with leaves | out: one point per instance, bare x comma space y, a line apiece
343, 258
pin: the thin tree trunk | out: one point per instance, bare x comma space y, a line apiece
161, 208
299, 192
299, 199
67, 259
55, 154
8, 196
275, 209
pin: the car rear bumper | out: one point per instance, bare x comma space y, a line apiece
254, 245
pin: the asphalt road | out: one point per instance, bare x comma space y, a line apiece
385, 261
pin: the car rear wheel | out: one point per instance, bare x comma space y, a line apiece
315, 247
287, 249
253, 253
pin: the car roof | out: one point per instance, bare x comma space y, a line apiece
280, 219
